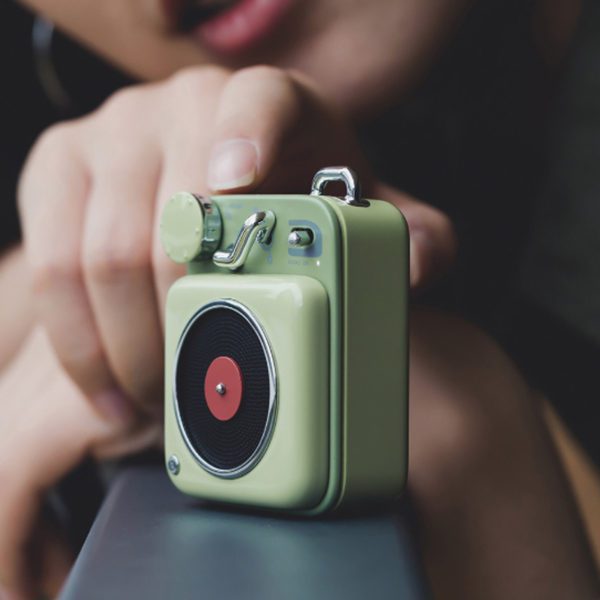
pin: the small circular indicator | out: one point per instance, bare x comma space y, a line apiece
223, 388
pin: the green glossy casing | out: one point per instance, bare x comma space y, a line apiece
335, 317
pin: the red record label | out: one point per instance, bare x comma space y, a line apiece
223, 387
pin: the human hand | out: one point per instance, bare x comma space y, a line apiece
47, 427
93, 189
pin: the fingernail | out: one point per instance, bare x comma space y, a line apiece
115, 406
232, 165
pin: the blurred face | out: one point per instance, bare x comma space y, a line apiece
359, 52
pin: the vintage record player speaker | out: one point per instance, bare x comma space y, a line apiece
286, 348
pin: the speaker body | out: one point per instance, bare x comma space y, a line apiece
310, 342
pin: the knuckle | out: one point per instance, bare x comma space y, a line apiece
123, 105
111, 259
50, 272
125, 143
271, 78
123, 165
278, 87
54, 139
194, 81
49, 150
265, 73
122, 114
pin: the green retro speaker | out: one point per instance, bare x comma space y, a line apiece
286, 348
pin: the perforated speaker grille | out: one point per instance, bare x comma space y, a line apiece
223, 330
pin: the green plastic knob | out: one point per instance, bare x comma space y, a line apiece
190, 228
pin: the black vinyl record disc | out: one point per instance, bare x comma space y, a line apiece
225, 330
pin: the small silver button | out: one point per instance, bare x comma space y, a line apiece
300, 238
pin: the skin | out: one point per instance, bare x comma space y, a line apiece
497, 517
316, 39
45, 414
107, 252
97, 276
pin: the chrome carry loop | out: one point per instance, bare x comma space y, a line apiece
344, 174
257, 226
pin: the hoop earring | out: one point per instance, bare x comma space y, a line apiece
42, 36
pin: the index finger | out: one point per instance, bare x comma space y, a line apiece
268, 117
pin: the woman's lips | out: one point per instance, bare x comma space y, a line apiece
242, 25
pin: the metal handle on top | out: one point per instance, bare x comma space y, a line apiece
344, 174
257, 226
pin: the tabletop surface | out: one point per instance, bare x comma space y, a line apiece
149, 541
